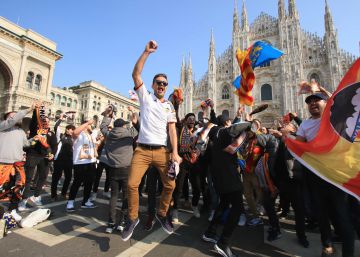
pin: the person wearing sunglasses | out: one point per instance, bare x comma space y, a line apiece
158, 119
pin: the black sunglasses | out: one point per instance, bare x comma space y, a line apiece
161, 83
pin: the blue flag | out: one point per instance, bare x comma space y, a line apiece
262, 52
236, 82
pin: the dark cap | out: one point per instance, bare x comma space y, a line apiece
222, 119
120, 123
320, 96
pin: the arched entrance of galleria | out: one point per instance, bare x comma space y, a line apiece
5, 84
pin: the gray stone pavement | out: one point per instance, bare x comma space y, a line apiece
82, 234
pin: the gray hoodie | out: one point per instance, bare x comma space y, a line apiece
118, 148
12, 139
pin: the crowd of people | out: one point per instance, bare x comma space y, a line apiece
229, 162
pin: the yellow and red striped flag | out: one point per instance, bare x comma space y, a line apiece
334, 154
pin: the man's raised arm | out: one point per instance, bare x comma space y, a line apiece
149, 48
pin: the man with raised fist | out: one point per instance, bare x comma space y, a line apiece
157, 121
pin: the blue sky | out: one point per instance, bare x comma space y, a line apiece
101, 40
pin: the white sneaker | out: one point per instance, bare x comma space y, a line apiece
16, 216
93, 196
242, 220
36, 200
196, 211
212, 213
22, 205
88, 205
70, 206
107, 195
175, 216
35, 217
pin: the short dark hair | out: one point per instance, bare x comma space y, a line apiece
189, 114
159, 75
6, 115
70, 127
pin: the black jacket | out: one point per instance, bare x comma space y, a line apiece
66, 144
38, 149
224, 167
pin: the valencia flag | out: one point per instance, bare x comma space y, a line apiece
334, 154
258, 54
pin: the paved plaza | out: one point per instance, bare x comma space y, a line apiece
81, 233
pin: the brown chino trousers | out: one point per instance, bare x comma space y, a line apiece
142, 159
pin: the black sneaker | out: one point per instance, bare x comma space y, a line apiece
274, 234
110, 228
210, 237
149, 223
165, 224
223, 250
304, 242
129, 229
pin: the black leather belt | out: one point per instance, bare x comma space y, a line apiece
151, 147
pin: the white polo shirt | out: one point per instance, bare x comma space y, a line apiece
154, 117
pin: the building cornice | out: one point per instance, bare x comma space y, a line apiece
107, 92
27, 40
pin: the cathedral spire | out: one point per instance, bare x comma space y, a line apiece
212, 43
281, 9
189, 68
236, 27
244, 18
292, 9
182, 73
329, 24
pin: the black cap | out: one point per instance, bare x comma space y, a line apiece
120, 123
320, 96
222, 119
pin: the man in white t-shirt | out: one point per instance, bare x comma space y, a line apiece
157, 122
84, 159
310, 127
328, 200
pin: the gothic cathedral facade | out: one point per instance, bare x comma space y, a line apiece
306, 56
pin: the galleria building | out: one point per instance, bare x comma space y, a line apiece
27, 63
306, 56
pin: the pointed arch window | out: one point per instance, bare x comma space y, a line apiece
37, 84
316, 77
225, 94
266, 92
30, 80
225, 113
